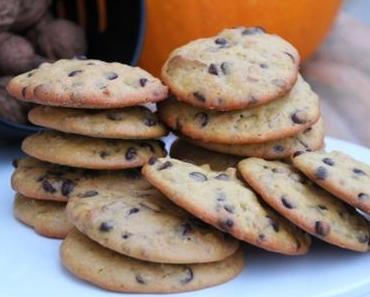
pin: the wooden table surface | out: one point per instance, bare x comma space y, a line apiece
340, 73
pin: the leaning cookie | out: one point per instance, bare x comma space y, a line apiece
107, 269
87, 84
279, 119
341, 175
184, 150
136, 122
147, 226
236, 69
220, 199
47, 181
91, 153
48, 218
310, 139
305, 204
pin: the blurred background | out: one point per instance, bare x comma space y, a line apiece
332, 36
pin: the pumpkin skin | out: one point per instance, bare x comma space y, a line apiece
172, 23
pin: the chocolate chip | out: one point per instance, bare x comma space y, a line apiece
88, 194
261, 237
165, 165
328, 161
126, 235
264, 66
363, 196
186, 228
275, 225
321, 173
139, 279
15, 163
278, 148
67, 187
297, 153
202, 118
197, 176
358, 171
221, 41
105, 227
322, 207
143, 81
29, 74
225, 225
225, 68
199, 96
286, 203
322, 228
189, 276
133, 210
152, 160
290, 56
104, 154
253, 30
222, 176
114, 116
111, 75
74, 73
48, 187
24, 92
131, 153
212, 69
364, 238
299, 117
150, 122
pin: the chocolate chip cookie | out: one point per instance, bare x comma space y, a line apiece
279, 119
47, 181
48, 218
338, 173
87, 84
238, 68
310, 139
184, 150
305, 204
147, 226
91, 153
223, 201
107, 269
136, 122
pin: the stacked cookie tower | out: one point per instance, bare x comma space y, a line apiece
240, 93
120, 232
90, 105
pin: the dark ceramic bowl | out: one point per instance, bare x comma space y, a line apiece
121, 42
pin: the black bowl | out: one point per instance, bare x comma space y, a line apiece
121, 42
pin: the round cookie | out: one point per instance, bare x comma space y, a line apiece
47, 181
87, 84
310, 139
184, 150
338, 173
107, 269
277, 120
147, 226
223, 201
48, 218
305, 204
136, 122
236, 69
91, 153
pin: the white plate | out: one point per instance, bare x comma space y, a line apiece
29, 264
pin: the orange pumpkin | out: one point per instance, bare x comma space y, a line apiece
171, 23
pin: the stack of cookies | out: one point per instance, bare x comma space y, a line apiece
81, 181
240, 93
93, 109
